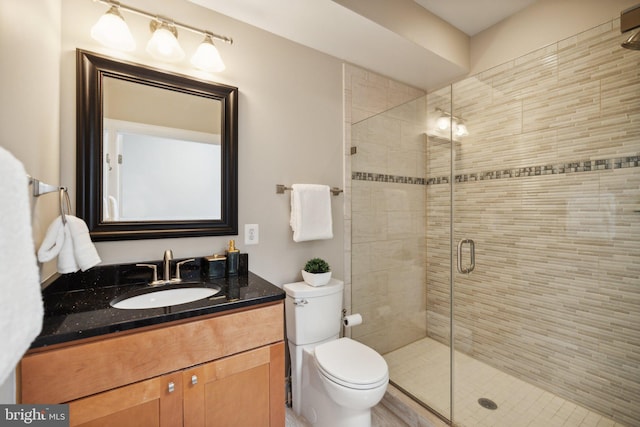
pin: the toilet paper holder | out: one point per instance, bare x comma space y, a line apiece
350, 320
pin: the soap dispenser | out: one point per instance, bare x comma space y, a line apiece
233, 256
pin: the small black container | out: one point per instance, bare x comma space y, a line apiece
243, 265
214, 267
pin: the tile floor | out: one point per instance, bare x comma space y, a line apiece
380, 417
519, 403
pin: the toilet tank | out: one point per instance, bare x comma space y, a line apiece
313, 313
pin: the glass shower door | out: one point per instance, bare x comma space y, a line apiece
497, 264
392, 259
546, 186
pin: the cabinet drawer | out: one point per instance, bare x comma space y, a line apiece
68, 373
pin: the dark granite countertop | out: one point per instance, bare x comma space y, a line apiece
77, 305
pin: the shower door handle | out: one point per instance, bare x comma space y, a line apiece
472, 253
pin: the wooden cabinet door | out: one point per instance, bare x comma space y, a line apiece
154, 402
246, 389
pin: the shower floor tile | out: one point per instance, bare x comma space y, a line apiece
422, 369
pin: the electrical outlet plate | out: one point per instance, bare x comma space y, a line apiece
251, 234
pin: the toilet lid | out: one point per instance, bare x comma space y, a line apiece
348, 361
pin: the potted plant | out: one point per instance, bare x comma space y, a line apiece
317, 272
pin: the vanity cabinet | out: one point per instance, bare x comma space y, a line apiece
154, 403
225, 370
218, 393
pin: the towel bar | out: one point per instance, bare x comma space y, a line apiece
40, 188
280, 189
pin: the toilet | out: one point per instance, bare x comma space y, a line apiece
335, 381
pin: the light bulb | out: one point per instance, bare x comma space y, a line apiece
163, 44
113, 32
207, 57
443, 122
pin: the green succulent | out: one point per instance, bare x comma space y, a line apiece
317, 265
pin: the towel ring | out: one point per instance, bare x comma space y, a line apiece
64, 200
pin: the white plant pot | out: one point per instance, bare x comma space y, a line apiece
316, 279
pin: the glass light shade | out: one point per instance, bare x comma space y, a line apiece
164, 45
461, 129
443, 122
207, 57
113, 32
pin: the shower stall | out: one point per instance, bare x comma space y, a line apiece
495, 239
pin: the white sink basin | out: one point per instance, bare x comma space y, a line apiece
163, 297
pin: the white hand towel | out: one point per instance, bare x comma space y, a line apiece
21, 309
53, 241
57, 242
84, 251
311, 212
66, 258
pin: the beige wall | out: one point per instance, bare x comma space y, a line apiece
413, 22
30, 86
133, 102
290, 131
543, 23
29, 118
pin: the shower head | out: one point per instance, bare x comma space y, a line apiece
633, 42
630, 20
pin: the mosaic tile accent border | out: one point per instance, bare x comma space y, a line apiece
381, 177
571, 167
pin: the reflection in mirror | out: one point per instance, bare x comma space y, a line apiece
146, 130
141, 170
156, 152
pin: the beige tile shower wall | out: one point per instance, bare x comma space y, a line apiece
388, 271
385, 220
549, 191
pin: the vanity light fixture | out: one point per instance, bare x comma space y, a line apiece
163, 44
447, 119
207, 57
112, 31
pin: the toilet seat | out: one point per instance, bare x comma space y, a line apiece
351, 364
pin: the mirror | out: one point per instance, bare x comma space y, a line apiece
156, 152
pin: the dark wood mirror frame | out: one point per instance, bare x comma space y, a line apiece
91, 68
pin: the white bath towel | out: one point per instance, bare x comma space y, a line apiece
311, 212
57, 243
20, 296
84, 251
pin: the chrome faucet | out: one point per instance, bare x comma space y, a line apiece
168, 256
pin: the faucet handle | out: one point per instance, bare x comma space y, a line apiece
168, 255
178, 264
155, 272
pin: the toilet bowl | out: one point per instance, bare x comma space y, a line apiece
335, 381
354, 375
